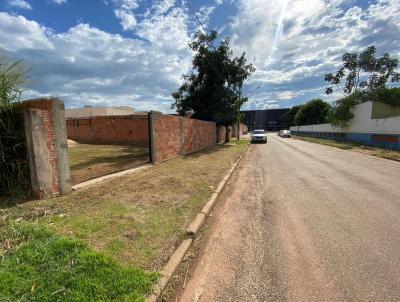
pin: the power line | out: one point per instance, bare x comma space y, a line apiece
197, 17
247, 94
201, 24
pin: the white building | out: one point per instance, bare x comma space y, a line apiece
374, 123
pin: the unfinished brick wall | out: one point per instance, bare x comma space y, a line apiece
45, 131
221, 134
121, 130
174, 136
197, 135
166, 137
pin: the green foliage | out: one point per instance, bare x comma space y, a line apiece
213, 89
47, 267
341, 113
288, 117
313, 112
13, 157
363, 71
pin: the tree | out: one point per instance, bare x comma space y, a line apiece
288, 117
313, 112
213, 89
363, 71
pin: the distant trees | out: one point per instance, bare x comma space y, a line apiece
213, 89
288, 117
313, 112
363, 71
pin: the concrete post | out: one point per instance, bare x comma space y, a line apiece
46, 139
153, 146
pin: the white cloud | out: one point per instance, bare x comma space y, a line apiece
128, 20
22, 4
86, 65
18, 33
59, 1
127, 4
125, 12
315, 34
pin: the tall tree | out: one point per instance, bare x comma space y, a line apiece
213, 89
363, 71
288, 117
313, 112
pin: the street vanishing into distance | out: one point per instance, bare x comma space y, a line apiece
302, 222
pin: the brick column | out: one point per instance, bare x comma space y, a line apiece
46, 139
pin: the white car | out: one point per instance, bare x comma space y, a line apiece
285, 133
259, 136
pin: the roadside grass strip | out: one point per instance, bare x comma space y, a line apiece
101, 242
44, 266
370, 150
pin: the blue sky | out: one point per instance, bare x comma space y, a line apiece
133, 52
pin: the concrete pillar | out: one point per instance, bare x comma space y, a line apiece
152, 133
46, 138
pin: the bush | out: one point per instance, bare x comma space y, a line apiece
13, 156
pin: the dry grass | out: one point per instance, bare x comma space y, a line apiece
375, 151
137, 219
92, 161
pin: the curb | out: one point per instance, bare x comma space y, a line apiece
193, 229
88, 183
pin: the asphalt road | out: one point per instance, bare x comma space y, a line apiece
303, 222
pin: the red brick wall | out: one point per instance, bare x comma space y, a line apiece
126, 130
166, 129
175, 136
197, 135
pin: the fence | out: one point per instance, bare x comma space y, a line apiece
120, 130
363, 128
174, 136
46, 139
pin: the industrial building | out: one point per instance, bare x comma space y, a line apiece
89, 111
268, 119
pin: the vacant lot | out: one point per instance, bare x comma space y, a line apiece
380, 152
136, 220
91, 161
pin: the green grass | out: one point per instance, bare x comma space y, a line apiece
379, 152
44, 266
135, 221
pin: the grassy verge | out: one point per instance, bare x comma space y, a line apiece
48, 267
134, 222
379, 152
92, 161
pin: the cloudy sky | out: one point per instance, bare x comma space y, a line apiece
133, 52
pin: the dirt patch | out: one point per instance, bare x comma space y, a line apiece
92, 161
71, 143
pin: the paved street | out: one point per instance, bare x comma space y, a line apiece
303, 222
